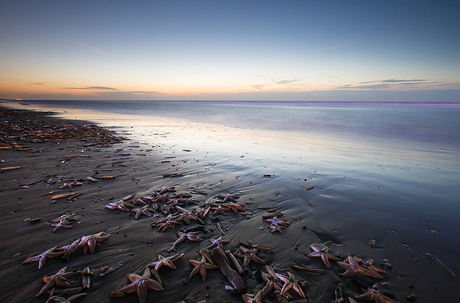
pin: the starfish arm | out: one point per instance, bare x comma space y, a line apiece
299, 290
285, 288
368, 296
314, 248
92, 245
194, 271
370, 273
54, 254
32, 259
45, 288
203, 272
246, 260
385, 299
60, 281
157, 276
348, 273
128, 288
137, 215
133, 277
314, 254
344, 265
275, 228
41, 261
152, 284
122, 207
142, 292
257, 259
128, 205
325, 260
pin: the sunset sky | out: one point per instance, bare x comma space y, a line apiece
230, 50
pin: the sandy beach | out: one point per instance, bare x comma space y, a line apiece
41, 158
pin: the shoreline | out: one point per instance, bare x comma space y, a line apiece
134, 243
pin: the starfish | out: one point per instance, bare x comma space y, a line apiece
220, 210
185, 201
90, 242
186, 216
156, 265
201, 266
323, 253
58, 299
69, 249
60, 279
290, 282
162, 198
163, 190
139, 201
275, 221
218, 242
182, 236
373, 294
62, 224
232, 276
63, 221
276, 228
369, 264
166, 223
144, 210
122, 205
250, 255
209, 203
169, 207
201, 213
257, 298
85, 277
271, 279
234, 206
70, 184
228, 197
182, 195
41, 258
353, 269
141, 284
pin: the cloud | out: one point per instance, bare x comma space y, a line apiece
258, 86
37, 83
85, 45
286, 81
391, 83
92, 88
140, 92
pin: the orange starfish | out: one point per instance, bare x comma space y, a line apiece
141, 284
323, 253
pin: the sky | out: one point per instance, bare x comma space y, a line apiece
405, 50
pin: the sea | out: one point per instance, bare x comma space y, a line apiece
388, 172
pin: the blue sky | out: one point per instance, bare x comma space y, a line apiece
230, 50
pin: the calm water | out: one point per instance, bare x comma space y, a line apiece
432, 124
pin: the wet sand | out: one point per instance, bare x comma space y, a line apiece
316, 217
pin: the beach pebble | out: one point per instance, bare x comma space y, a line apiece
372, 243
411, 297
